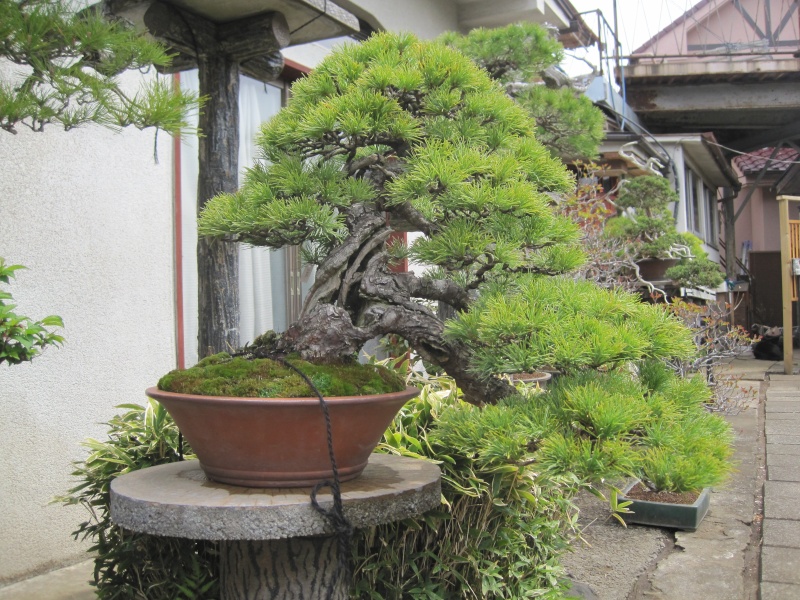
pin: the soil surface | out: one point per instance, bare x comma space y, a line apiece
641, 492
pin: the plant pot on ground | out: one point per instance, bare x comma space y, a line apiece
664, 509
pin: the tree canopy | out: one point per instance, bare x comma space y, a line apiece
397, 133
67, 68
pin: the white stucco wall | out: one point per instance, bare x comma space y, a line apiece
90, 214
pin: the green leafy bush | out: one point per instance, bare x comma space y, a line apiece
22, 338
503, 523
565, 324
128, 565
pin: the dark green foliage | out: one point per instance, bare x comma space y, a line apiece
22, 338
602, 426
135, 566
72, 61
221, 375
567, 123
517, 52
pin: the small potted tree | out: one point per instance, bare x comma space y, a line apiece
647, 224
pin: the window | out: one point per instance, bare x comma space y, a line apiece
701, 209
270, 285
712, 217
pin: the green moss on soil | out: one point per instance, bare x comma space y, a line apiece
221, 375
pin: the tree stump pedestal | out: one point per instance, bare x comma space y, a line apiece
274, 544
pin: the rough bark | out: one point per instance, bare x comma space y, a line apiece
356, 297
294, 569
218, 261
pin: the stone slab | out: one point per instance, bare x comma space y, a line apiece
69, 583
781, 500
782, 426
779, 438
782, 396
779, 473
781, 532
775, 449
178, 500
783, 410
782, 460
779, 591
780, 565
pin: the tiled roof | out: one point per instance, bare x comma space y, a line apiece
753, 162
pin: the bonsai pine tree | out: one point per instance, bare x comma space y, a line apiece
524, 58
400, 134
647, 224
69, 66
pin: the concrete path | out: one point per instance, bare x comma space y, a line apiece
780, 556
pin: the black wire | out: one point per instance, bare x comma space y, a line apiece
343, 529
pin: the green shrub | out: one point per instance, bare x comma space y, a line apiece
128, 565
22, 338
503, 523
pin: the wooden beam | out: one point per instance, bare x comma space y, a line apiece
253, 37
264, 68
181, 30
787, 280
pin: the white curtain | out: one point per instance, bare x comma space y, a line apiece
257, 103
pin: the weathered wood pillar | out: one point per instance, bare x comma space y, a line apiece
220, 52
730, 238
218, 261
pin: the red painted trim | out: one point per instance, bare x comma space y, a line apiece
178, 251
293, 70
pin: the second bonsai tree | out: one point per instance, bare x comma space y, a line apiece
647, 223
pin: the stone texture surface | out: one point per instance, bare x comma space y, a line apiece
780, 553
781, 532
782, 460
779, 591
612, 557
69, 583
178, 500
780, 565
784, 473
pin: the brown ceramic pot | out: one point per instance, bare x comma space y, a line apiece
281, 442
655, 269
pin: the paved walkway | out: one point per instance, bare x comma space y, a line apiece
780, 555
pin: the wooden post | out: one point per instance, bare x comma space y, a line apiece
730, 238
786, 282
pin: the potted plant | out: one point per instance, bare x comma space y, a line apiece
252, 423
400, 134
647, 223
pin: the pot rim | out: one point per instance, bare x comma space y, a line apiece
406, 394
